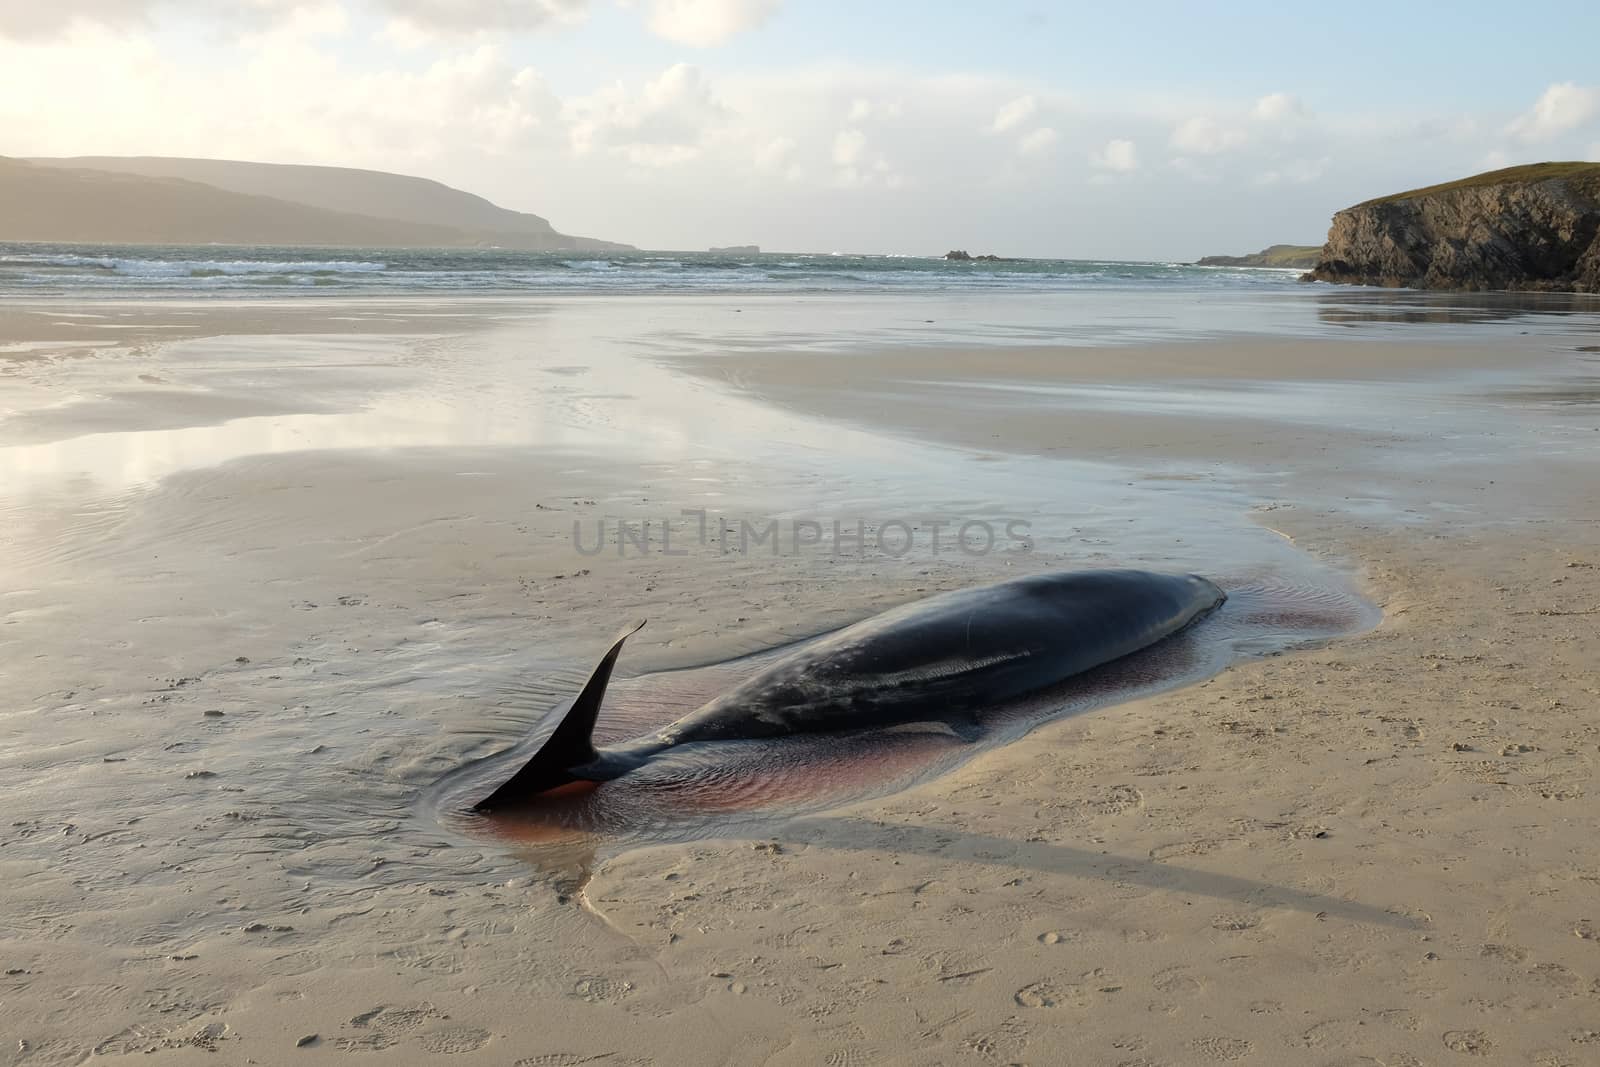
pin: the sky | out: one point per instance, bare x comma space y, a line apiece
1129, 131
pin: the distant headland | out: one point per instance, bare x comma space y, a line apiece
174, 201
1298, 257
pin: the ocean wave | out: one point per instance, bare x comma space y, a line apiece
221, 270
139, 267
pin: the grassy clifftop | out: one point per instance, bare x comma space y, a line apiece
1585, 174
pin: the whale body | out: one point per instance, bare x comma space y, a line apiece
945, 659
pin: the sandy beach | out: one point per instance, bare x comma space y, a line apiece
275, 569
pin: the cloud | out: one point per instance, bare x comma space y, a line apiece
775, 155
1294, 172
698, 23
1195, 170
664, 123
1560, 109
1039, 140
1206, 136
467, 16
1120, 155
848, 147
856, 164
862, 109
271, 95
50, 18
706, 23
1014, 113
1275, 107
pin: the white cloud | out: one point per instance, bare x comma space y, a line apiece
1039, 140
1559, 109
1118, 155
280, 94
663, 124
49, 18
466, 16
863, 109
705, 23
1294, 172
1206, 136
775, 154
1275, 107
1195, 170
857, 164
699, 23
848, 147
1014, 113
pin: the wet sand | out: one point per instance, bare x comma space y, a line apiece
254, 611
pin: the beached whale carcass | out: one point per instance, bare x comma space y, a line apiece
944, 660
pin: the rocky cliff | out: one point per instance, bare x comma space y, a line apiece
1531, 227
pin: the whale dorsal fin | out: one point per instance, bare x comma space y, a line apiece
570, 746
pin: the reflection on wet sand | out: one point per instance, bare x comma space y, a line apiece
1348, 307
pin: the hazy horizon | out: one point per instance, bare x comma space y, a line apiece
686, 124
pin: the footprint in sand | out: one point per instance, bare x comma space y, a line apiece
598, 990
1508, 953
1554, 974
383, 1027
1003, 1044
453, 1040
1043, 995
1176, 981
1468, 1042
1222, 1048
1404, 1018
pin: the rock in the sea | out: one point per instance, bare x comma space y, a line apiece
961, 255
1531, 227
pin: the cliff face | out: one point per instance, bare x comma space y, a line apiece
1534, 227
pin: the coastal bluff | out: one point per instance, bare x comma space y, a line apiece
1534, 227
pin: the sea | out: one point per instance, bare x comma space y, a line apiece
47, 270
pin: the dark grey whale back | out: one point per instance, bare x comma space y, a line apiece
943, 659
951, 655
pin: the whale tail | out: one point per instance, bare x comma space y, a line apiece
566, 751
